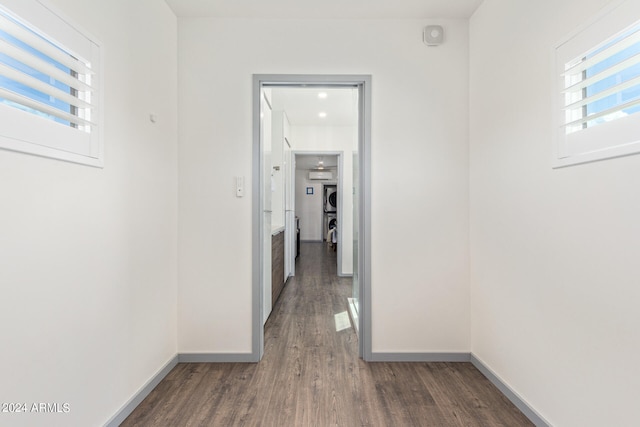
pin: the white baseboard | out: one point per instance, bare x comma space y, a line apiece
144, 391
510, 394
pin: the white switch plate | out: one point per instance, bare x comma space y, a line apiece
239, 186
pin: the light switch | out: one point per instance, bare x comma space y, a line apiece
239, 186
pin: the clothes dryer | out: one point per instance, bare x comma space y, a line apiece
330, 198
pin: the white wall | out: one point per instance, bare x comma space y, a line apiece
420, 285
88, 256
554, 253
309, 207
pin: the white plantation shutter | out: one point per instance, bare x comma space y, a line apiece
578, 80
49, 85
597, 105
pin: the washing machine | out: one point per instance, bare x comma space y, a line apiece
330, 221
330, 198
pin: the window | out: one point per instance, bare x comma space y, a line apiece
598, 92
49, 85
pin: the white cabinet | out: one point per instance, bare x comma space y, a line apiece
277, 168
289, 203
283, 186
265, 158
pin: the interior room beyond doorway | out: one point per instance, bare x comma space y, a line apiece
309, 142
308, 185
293, 115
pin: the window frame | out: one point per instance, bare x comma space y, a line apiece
28, 133
617, 138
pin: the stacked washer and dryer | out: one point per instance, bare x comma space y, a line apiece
330, 203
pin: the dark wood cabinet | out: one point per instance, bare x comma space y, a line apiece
297, 237
277, 266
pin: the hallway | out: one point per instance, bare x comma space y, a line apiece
311, 374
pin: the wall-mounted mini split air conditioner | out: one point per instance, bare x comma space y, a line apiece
320, 175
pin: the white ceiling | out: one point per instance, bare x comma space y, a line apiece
303, 106
311, 161
301, 9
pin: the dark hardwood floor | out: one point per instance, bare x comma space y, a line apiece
311, 375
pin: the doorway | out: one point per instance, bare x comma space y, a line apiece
319, 199
263, 183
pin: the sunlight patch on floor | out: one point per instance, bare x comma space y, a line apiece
342, 321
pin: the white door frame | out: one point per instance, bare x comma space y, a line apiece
363, 84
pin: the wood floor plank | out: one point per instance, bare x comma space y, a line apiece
311, 375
